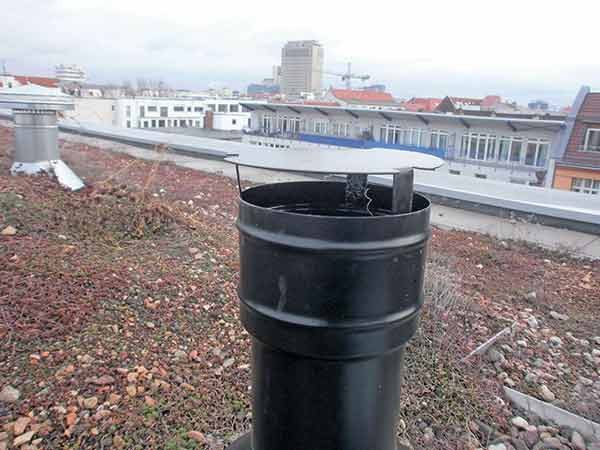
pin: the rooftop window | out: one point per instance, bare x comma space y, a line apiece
592, 140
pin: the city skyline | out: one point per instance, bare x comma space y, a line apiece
238, 46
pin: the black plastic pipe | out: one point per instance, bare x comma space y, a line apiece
330, 293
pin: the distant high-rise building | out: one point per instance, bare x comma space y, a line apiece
301, 67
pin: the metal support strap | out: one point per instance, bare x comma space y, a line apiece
402, 194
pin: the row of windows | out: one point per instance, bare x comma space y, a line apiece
160, 123
294, 124
516, 149
394, 134
164, 110
586, 186
223, 107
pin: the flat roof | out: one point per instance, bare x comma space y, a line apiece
517, 124
566, 205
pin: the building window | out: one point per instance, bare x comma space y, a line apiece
233, 122
320, 127
340, 129
454, 172
592, 140
152, 109
128, 111
211, 107
267, 124
223, 108
145, 124
479, 146
189, 109
129, 124
153, 123
197, 124
585, 186
439, 139
178, 108
142, 111
161, 124
234, 108
537, 152
390, 134
197, 108
417, 137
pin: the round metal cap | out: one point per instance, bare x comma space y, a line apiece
376, 161
34, 97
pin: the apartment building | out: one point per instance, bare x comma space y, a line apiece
516, 150
577, 165
301, 67
160, 112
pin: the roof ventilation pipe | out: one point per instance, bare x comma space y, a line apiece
35, 111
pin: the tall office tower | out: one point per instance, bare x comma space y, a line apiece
301, 67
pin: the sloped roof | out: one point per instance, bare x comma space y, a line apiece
422, 104
365, 97
490, 101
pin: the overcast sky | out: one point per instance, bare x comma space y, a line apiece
519, 49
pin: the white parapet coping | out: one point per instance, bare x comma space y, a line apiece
563, 205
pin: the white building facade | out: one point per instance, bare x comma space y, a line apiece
228, 115
158, 112
511, 150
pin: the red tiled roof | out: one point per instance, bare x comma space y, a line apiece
490, 101
362, 96
40, 81
422, 104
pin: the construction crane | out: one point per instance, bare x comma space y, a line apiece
348, 76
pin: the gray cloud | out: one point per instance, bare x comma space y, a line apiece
192, 44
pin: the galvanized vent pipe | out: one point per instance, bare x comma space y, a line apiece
35, 111
331, 285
